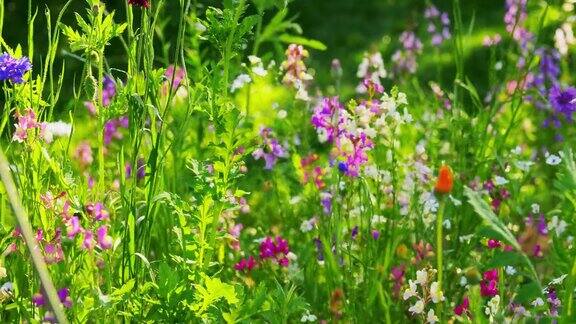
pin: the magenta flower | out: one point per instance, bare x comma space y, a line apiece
462, 308
493, 244
489, 286
88, 241
97, 211
246, 264
275, 249
73, 227
104, 240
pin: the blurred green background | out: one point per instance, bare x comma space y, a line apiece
348, 28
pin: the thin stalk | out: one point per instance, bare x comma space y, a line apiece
439, 248
29, 239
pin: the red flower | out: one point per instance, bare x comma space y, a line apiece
140, 3
445, 180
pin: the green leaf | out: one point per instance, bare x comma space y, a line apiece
485, 212
211, 292
126, 288
311, 43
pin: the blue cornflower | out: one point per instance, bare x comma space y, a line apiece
13, 69
563, 101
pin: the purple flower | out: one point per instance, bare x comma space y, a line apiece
64, 295
13, 69
375, 234
405, 59
354, 232
97, 211
276, 249
73, 227
462, 308
438, 25
88, 241
140, 3
108, 90
104, 240
270, 151
563, 101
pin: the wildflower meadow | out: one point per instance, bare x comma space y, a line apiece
287, 161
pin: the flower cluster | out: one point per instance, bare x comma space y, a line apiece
432, 293
489, 283
112, 129
438, 25
296, 72
270, 150
371, 70
275, 249
13, 69
405, 59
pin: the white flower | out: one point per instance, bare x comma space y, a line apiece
510, 270
59, 128
308, 225
239, 82
308, 317
447, 225
517, 150
535, 208
254, 60
377, 219
410, 291
552, 159
524, 165
538, 302
436, 293
431, 317
558, 225
499, 181
463, 281
282, 114
422, 277
259, 70
417, 308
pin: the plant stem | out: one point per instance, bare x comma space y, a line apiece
439, 248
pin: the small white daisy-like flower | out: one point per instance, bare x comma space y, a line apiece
239, 82
307, 317
552, 159
535, 208
510, 270
417, 308
463, 281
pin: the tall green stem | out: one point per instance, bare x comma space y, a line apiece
439, 248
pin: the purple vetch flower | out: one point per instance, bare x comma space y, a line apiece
13, 69
108, 90
438, 25
104, 240
276, 249
563, 101
246, 264
88, 241
73, 227
354, 232
319, 249
98, 211
64, 295
405, 59
326, 201
375, 234
553, 301
328, 119
271, 149
112, 129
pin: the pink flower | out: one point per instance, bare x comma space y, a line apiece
104, 240
275, 249
97, 211
492, 244
26, 122
84, 154
73, 227
88, 242
462, 308
245, 264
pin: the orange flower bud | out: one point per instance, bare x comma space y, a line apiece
445, 180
